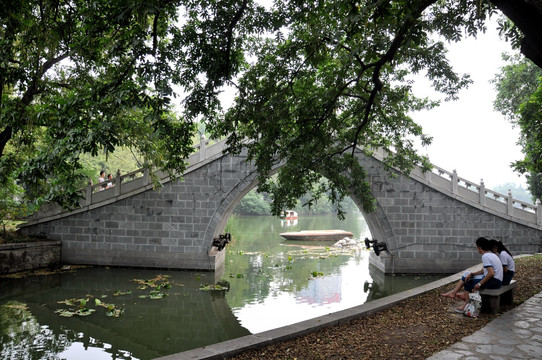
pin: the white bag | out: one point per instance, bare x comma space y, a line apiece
472, 309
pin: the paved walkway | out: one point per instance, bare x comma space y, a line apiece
516, 334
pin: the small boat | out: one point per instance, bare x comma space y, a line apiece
317, 235
289, 215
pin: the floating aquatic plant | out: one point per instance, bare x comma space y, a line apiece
80, 303
18, 306
119, 293
239, 276
71, 312
80, 306
84, 310
110, 309
211, 287
154, 295
158, 281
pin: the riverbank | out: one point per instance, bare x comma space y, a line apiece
23, 256
422, 324
414, 329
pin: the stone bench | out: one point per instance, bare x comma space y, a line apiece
492, 299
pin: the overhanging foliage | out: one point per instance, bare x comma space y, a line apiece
313, 81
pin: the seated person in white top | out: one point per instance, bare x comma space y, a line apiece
492, 275
508, 264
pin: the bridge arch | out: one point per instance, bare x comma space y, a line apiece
428, 221
231, 199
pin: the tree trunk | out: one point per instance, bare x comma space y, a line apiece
527, 16
5, 136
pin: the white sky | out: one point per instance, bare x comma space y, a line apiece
468, 135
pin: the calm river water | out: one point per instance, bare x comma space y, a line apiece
268, 282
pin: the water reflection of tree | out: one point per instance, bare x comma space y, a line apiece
287, 271
22, 337
185, 319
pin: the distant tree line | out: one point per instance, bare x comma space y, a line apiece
255, 203
518, 192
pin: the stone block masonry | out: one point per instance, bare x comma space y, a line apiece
172, 227
429, 230
428, 223
28, 256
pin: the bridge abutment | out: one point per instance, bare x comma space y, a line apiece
432, 229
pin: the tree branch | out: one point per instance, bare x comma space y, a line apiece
5, 136
229, 35
388, 57
155, 33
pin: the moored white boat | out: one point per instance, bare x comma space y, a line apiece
317, 235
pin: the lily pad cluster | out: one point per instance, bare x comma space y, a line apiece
154, 295
82, 306
211, 287
111, 309
76, 307
156, 284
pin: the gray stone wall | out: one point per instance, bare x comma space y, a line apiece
171, 227
430, 231
28, 256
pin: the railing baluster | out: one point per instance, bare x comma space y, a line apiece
117, 183
454, 182
510, 203
202, 147
482, 193
538, 212
88, 197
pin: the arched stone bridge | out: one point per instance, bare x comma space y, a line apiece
428, 221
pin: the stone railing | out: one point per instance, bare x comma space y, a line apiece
478, 194
475, 194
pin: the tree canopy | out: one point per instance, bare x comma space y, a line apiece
82, 77
519, 99
312, 81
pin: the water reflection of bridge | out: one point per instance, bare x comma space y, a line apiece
382, 285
